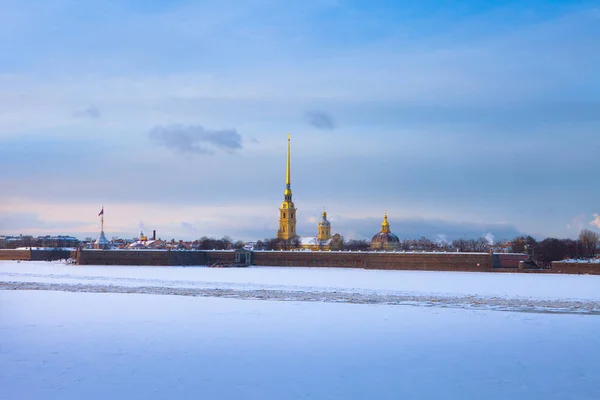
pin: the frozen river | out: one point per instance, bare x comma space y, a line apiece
60, 341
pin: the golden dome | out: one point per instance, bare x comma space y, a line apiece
385, 239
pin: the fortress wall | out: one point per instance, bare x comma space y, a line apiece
181, 258
9, 254
153, 257
369, 260
50, 255
560, 267
478, 262
219, 256
123, 257
308, 259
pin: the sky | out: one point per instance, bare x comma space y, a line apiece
458, 118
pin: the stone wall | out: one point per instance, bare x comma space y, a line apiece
471, 262
560, 267
15, 254
123, 257
36, 254
376, 260
153, 257
368, 260
50, 255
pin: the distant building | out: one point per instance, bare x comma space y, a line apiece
102, 242
385, 239
287, 211
59, 241
323, 238
288, 217
144, 243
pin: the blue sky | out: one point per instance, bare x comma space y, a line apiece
458, 118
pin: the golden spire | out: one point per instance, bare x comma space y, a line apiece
287, 212
287, 174
288, 189
385, 226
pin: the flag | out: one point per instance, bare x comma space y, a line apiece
101, 212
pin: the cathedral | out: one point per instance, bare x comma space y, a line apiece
384, 240
287, 218
287, 212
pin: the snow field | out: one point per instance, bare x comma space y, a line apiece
97, 346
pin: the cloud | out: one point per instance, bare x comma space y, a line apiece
91, 112
194, 139
596, 221
320, 120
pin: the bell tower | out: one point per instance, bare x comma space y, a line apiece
287, 212
324, 228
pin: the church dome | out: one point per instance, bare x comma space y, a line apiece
324, 221
385, 239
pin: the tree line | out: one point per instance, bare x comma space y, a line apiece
553, 249
542, 252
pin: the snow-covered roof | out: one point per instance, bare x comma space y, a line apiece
312, 241
102, 239
143, 243
592, 260
47, 248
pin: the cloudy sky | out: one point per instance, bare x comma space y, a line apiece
457, 117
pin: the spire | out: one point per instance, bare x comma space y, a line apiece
287, 172
288, 188
385, 226
287, 211
102, 242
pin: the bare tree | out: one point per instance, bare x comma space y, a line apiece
589, 242
337, 242
550, 249
357, 245
425, 244
269, 244
461, 245
573, 248
523, 244
294, 243
480, 245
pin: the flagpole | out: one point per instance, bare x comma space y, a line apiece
102, 220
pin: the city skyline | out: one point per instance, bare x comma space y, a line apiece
458, 120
